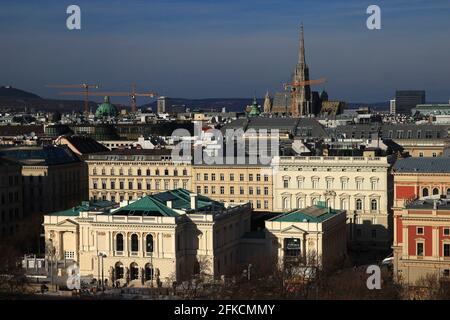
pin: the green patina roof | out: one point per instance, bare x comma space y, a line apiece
85, 206
316, 213
255, 109
106, 109
157, 204
154, 205
147, 206
181, 199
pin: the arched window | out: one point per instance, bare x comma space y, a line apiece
286, 203
425, 192
359, 204
166, 172
130, 172
175, 172
448, 191
119, 242
148, 172
157, 172
435, 191
300, 203
185, 172
134, 243
149, 243
134, 271
344, 204
118, 271
314, 201
139, 172
374, 205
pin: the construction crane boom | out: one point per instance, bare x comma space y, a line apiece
85, 93
133, 94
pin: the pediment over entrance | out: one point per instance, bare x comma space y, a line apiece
293, 229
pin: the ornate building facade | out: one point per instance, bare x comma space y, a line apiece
155, 240
421, 218
124, 174
358, 185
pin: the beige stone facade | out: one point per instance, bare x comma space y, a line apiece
318, 240
235, 184
150, 249
131, 174
358, 185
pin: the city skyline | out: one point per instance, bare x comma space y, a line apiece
198, 49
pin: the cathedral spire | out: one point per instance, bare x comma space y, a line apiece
301, 57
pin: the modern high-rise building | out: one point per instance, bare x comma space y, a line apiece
392, 108
406, 100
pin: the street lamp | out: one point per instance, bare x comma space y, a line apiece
102, 256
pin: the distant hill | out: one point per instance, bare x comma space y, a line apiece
10, 92
17, 100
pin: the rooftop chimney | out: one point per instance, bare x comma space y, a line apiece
193, 201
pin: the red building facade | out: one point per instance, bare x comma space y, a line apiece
421, 218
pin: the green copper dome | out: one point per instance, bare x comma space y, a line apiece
324, 95
254, 111
106, 109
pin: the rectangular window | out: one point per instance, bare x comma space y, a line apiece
266, 178
446, 249
213, 176
286, 183
231, 176
250, 177
222, 177
231, 190
241, 177
446, 231
205, 176
419, 230
419, 249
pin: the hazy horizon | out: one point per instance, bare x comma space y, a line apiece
227, 49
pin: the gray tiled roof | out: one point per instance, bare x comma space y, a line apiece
431, 165
395, 131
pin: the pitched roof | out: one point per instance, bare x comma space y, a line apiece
156, 205
315, 213
46, 155
100, 206
146, 206
86, 145
425, 164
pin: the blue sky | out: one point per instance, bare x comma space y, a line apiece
200, 48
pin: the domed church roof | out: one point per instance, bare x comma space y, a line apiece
106, 109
